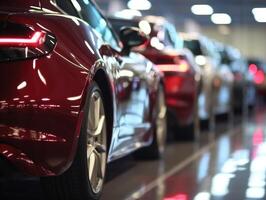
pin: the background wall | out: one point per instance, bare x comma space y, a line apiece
251, 40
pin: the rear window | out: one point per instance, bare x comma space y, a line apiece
194, 46
67, 7
118, 24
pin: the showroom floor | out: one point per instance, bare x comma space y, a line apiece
229, 164
229, 167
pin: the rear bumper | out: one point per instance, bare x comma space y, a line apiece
14, 161
261, 89
180, 98
39, 118
180, 117
7, 169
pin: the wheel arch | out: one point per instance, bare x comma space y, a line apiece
102, 80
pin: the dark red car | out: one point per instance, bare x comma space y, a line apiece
165, 49
72, 95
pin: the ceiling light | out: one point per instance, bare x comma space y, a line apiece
260, 18
221, 18
257, 11
259, 14
139, 4
201, 9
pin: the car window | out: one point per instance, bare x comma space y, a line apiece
117, 24
212, 50
93, 17
168, 41
171, 37
67, 7
164, 36
208, 48
194, 46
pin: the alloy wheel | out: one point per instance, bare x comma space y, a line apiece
96, 143
161, 121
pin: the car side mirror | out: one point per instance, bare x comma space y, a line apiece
131, 37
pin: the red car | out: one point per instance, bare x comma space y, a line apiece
72, 95
165, 49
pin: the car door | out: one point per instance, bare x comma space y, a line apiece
222, 81
131, 93
212, 69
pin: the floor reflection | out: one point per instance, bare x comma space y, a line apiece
234, 169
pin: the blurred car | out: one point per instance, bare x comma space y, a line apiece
217, 80
165, 50
244, 92
73, 96
257, 68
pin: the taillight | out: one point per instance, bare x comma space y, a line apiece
37, 38
259, 77
253, 68
19, 41
182, 67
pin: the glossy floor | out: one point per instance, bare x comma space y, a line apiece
229, 163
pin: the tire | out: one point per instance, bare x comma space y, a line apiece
84, 179
186, 133
212, 120
157, 147
190, 132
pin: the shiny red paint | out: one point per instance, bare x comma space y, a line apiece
253, 68
44, 107
259, 77
42, 99
177, 197
180, 85
20, 5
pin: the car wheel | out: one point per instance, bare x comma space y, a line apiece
84, 179
190, 132
212, 121
157, 147
186, 133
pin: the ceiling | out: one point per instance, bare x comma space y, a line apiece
178, 11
